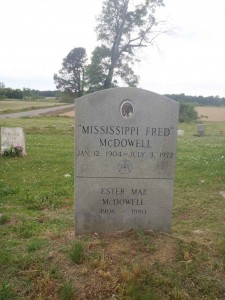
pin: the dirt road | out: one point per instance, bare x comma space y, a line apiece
37, 112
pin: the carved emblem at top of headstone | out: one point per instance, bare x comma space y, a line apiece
127, 108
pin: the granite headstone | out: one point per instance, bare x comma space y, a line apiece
125, 152
201, 130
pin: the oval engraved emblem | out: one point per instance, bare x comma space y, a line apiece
127, 108
125, 166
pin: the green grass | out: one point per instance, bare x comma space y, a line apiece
40, 258
200, 173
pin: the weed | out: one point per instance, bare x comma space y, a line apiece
43, 201
145, 240
135, 293
54, 272
5, 291
103, 243
4, 219
94, 259
76, 252
35, 245
67, 292
12, 151
221, 247
140, 286
177, 294
5, 191
188, 251
4, 258
28, 229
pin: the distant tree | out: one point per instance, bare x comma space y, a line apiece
2, 90
2, 85
27, 93
187, 113
49, 94
13, 93
2, 94
36, 94
71, 77
97, 70
123, 28
9, 93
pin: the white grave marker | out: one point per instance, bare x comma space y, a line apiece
13, 136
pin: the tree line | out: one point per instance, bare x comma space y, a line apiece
32, 94
198, 100
26, 93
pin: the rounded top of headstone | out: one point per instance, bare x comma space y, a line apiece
127, 93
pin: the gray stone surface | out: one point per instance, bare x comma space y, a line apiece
12, 136
201, 130
125, 151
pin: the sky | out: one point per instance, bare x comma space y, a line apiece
37, 34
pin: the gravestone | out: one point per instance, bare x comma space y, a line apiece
201, 130
125, 150
180, 132
13, 136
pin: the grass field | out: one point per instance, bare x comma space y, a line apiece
210, 113
9, 106
40, 258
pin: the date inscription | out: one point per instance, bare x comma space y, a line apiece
125, 154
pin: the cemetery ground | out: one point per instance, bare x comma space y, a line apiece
40, 258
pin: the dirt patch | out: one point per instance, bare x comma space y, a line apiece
114, 260
209, 113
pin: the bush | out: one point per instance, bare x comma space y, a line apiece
187, 113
